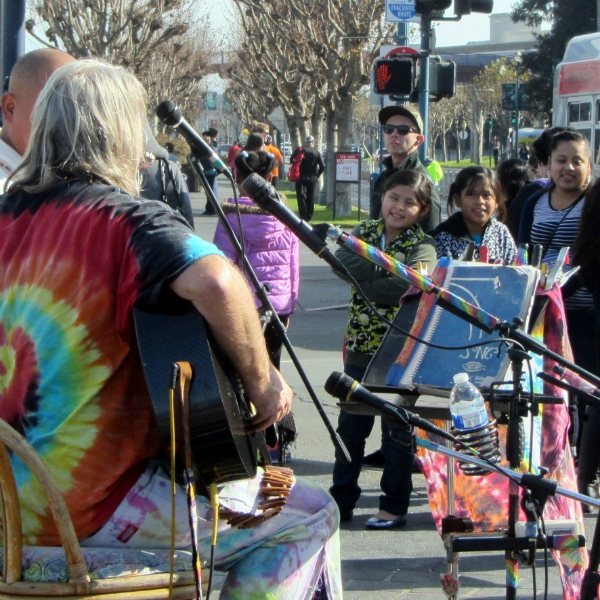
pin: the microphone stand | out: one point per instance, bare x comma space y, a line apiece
488, 323
261, 292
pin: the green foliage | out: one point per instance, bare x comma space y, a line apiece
324, 215
571, 18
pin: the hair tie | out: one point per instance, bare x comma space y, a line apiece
244, 154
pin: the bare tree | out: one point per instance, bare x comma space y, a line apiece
317, 56
150, 37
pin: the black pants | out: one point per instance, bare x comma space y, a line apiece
305, 193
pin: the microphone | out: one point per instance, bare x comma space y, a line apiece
169, 113
266, 196
341, 386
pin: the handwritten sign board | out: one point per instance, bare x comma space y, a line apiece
347, 167
505, 292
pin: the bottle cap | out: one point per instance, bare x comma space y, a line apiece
461, 378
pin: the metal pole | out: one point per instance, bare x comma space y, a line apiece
13, 34
424, 81
517, 115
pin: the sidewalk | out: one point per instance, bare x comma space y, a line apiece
376, 565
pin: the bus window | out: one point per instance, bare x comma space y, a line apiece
579, 111
597, 147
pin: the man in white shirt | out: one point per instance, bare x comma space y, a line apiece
27, 78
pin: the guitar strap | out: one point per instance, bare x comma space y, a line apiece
183, 384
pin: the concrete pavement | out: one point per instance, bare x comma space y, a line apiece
390, 565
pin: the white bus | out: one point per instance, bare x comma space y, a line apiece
576, 95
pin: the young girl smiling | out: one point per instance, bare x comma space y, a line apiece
476, 191
406, 199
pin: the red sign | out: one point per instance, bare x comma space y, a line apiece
401, 50
580, 77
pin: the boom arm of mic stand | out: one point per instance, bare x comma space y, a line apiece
532, 345
523, 479
451, 302
265, 300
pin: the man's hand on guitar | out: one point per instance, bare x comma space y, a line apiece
272, 400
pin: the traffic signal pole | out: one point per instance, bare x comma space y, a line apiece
424, 81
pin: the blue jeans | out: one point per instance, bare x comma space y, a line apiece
397, 447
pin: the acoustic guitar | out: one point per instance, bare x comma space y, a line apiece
174, 331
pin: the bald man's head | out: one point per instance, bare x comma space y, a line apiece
27, 79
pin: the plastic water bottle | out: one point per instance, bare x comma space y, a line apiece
467, 405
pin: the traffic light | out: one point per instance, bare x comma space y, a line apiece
442, 79
425, 7
466, 7
490, 120
393, 77
513, 117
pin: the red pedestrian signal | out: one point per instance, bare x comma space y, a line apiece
393, 77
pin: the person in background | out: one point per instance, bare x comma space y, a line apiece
477, 192
586, 255
255, 143
434, 169
402, 136
276, 152
211, 176
551, 218
513, 175
261, 129
171, 150
405, 201
311, 168
540, 149
523, 153
496, 154
273, 252
213, 133
27, 79
161, 178
231, 154
84, 293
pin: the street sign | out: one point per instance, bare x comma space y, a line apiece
509, 97
347, 167
463, 135
389, 51
400, 11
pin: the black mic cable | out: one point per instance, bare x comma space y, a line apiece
342, 386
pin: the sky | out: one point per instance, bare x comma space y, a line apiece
471, 28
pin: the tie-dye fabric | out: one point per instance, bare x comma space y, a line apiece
281, 559
73, 262
485, 499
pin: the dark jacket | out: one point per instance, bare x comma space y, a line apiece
162, 180
515, 207
528, 213
433, 218
312, 164
452, 238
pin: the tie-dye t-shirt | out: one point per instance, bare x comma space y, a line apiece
73, 262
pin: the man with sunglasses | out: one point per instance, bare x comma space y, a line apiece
402, 136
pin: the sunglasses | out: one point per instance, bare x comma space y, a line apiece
401, 129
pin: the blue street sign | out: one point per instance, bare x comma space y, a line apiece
396, 10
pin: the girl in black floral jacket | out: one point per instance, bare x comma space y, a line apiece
476, 191
406, 199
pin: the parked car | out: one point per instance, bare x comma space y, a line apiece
223, 149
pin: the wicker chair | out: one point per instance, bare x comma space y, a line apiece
73, 575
